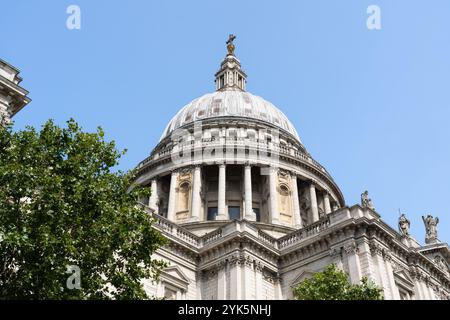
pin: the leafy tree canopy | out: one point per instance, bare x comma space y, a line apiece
62, 205
333, 284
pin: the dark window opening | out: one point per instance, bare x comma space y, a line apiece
234, 213
257, 213
212, 213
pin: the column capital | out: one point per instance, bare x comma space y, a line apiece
284, 173
351, 248
312, 182
259, 266
221, 163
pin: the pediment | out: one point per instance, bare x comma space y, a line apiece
439, 255
404, 277
303, 275
175, 276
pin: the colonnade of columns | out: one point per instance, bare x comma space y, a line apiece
248, 213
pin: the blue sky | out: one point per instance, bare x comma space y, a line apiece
373, 106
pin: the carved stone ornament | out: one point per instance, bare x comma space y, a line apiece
5, 118
440, 263
336, 252
375, 249
351, 248
259, 266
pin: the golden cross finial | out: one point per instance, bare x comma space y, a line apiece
230, 45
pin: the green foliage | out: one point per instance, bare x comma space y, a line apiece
333, 284
60, 205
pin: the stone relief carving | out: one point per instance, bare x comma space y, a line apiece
336, 252
430, 228
440, 262
351, 248
376, 249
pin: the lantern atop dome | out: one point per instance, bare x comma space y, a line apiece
230, 75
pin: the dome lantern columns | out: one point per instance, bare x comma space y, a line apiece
230, 75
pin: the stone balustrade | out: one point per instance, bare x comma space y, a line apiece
183, 234
212, 236
169, 228
267, 239
253, 144
303, 233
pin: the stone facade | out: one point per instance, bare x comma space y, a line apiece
12, 96
249, 213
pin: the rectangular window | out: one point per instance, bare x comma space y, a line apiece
212, 213
234, 213
258, 215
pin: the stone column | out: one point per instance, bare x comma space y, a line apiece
249, 214
278, 290
352, 250
418, 294
314, 208
196, 199
273, 199
172, 196
390, 272
296, 206
426, 293
431, 291
367, 264
258, 281
221, 200
377, 252
326, 200
153, 200
221, 281
235, 279
246, 279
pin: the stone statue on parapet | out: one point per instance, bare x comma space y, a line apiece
430, 228
366, 202
403, 225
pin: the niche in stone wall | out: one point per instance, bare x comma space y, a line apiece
284, 197
284, 203
184, 191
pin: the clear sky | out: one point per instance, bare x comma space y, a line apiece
373, 106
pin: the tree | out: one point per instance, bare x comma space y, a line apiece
333, 284
62, 205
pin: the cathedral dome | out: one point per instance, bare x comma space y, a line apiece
230, 103
231, 155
